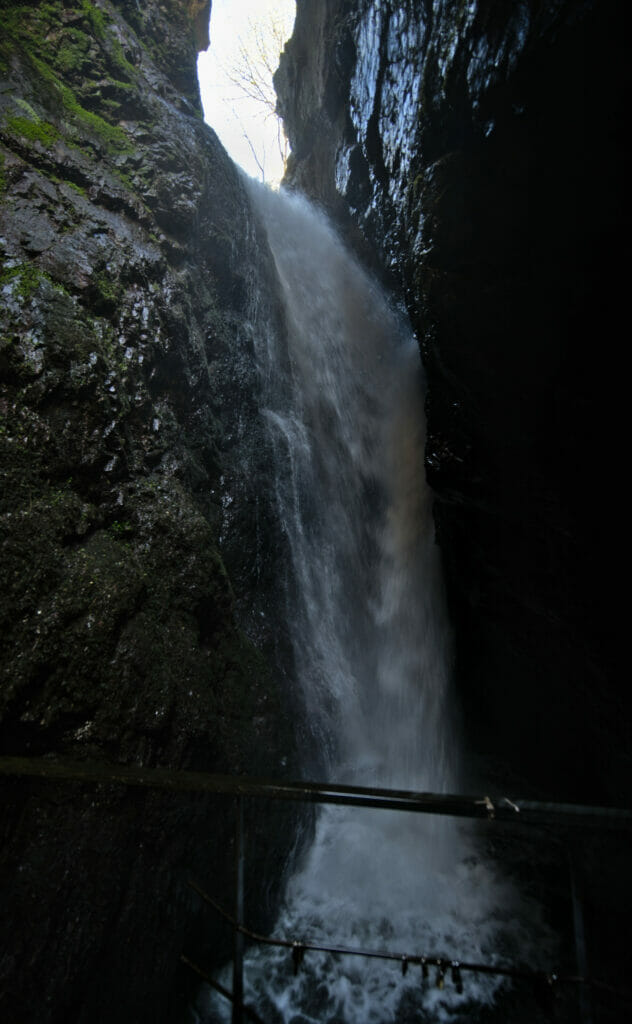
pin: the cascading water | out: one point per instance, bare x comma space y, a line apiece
343, 398
344, 404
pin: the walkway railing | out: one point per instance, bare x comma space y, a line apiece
575, 820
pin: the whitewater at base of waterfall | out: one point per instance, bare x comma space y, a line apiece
371, 880
343, 398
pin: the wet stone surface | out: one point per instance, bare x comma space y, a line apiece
473, 155
451, 143
130, 631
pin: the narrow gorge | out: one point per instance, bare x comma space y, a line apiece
312, 485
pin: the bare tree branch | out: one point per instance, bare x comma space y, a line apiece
252, 70
260, 160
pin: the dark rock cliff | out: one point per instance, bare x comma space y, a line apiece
474, 155
478, 150
135, 527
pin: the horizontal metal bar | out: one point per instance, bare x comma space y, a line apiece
374, 954
502, 809
405, 960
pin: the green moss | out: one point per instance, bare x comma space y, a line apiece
108, 291
118, 59
112, 106
26, 108
34, 131
96, 18
27, 27
27, 276
111, 135
77, 188
121, 529
3, 177
17, 23
49, 12
98, 23
73, 51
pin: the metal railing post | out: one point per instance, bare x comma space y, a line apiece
238, 948
581, 957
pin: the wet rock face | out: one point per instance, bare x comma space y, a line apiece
477, 149
135, 587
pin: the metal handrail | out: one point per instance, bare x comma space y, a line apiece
498, 809
299, 947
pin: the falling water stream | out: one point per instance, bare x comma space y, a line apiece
343, 399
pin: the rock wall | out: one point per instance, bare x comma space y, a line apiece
136, 535
474, 155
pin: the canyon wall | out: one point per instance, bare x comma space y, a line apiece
136, 532
473, 153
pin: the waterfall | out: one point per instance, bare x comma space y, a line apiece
343, 399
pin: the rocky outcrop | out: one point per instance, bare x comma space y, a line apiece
135, 527
476, 148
